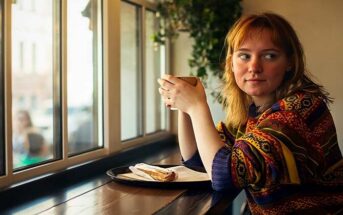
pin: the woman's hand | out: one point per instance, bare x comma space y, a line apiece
177, 93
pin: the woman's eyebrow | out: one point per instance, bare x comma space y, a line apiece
263, 50
271, 49
242, 49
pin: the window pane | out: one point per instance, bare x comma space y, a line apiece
130, 71
153, 72
2, 89
84, 75
33, 63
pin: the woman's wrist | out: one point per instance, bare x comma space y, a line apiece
183, 116
198, 110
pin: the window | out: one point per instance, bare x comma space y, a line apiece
84, 76
154, 64
81, 80
142, 62
130, 71
33, 122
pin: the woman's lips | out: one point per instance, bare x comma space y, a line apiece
255, 80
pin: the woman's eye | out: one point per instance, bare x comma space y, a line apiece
244, 57
270, 56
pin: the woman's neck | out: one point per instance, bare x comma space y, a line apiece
262, 101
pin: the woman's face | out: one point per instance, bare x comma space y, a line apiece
22, 122
259, 66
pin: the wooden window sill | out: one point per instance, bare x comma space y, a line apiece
88, 189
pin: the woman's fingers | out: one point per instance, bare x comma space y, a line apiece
163, 92
167, 97
168, 101
170, 78
178, 93
166, 85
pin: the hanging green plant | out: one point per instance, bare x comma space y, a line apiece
207, 22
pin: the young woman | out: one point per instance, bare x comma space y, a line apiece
279, 141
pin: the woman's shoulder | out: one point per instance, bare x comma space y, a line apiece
222, 127
226, 128
300, 101
303, 104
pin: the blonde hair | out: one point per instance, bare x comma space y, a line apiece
235, 101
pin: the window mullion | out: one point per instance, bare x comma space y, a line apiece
8, 92
167, 69
2, 93
64, 78
111, 44
143, 71
139, 80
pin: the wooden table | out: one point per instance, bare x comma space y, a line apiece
101, 195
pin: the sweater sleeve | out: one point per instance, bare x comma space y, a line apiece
221, 166
221, 170
194, 161
253, 159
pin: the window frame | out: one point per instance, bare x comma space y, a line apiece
145, 75
144, 137
99, 76
111, 94
2, 90
139, 72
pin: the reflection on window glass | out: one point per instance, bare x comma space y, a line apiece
2, 89
32, 82
153, 72
84, 75
130, 71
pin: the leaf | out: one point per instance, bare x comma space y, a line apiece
201, 72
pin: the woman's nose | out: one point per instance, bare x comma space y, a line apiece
255, 65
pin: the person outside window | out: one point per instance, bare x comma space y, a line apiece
22, 123
29, 146
35, 147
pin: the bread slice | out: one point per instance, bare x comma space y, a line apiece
154, 172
